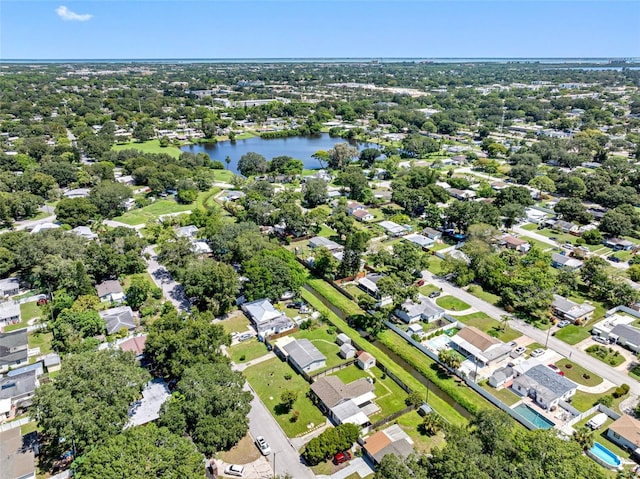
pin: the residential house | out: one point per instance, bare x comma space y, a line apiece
499, 185
84, 232
625, 432
77, 193
605, 327
18, 461
365, 360
432, 233
110, 291
459, 255
461, 195
420, 240
422, 310
9, 286
52, 362
363, 215
353, 206
266, 319
416, 329
344, 402
534, 215
627, 336
318, 241
9, 313
201, 247
342, 339
118, 318
393, 229
565, 227
37, 368
347, 351
392, 440
369, 284
479, 346
574, 312
618, 244
147, 409
188, 232
546, 387
232, 195
13, 348
44, 226
304, 356
134, 345
501, 376
517, 244
19, 390
562, 261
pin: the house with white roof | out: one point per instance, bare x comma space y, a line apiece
84, 232
9, 313
423, 309
266, 319
418, 239
479, 346
392, 228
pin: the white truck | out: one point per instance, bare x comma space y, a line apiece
597, 421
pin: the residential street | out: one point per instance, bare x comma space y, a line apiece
562, 348
284, 458
170, 288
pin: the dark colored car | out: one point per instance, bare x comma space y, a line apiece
342, 457
614, 259
434, 294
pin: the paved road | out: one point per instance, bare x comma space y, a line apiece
171, 290
562, 348
29, 224
284, 458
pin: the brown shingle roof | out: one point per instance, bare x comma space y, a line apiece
479, 339
376, 443
332, 391
627, 427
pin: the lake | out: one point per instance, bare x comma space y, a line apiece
299, 147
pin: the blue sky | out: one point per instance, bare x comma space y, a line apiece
46, 29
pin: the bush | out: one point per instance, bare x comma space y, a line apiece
620, 391
605, 400
331, 330
330, 442
243, 357
288, 376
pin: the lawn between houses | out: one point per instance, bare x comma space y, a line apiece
151, 146
489, 325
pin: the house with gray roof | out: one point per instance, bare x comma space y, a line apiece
421, 310
574, 312
369, 284
418, 239
84, 232
562, 261
13, 348
18, 461
9, 286
501, 376
110, 291
627, 336
18, 390
318, 241
304, 356
187, 232
118, 318
432, 233
544, 386
342, 402
392, 440
9, 313
392, 228
266, 319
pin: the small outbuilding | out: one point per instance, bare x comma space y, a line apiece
347, 351
365, 360
342, 339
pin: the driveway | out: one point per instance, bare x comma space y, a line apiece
537, 335
284, 458
171, 290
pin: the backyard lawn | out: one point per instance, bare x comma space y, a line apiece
30, 310
435, 265
489, 325
247, 351
452, 303
582, 401
151, 146
422, 443
40, 340
268, 380
237, 323
141, 216
572, 334
426, 289
504, 394
578, 374
325, 343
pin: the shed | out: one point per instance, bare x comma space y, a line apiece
365, 360
342, 339
347, 351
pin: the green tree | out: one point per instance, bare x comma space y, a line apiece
330, 442
616, 223
325, 264
355, 245
89, 400
213, 284
109, 198
543, 183
287, 398
140, 453
432, 424
138, 291
354, 179
314, 192
251, 164
450, 358
341, 155
584, 437
76, 211
572, 209
271, 273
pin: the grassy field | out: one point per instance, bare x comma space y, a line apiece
422, 443
505, 394
435, 265
537, 243
141, 216
427, 289
325, 344
236, 323
578, 374
435, 402
151, 146
335, 297
489, 325
30, 310
452, 303
40, 340
248, 350
268, 380
605, 354
478, 292
572, 334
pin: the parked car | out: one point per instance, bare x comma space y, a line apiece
563, 323
420, 282
435, 294
553, 238
342, 457
295, 305
556, 369
537, 352
245, 336
600, 339
568, 246
263, 445
234, 470
614, 259
519, 351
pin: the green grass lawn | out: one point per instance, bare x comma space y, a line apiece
30, 310
335, 297
40, 340
583, 400
28, 428
452, 303
572, 334
268, 380
605, 354
578, 374
478, 292
151, 146
504, 394
489, 325
325, 343
237, 323
426, 289
248, 350
435, 265
152, 212
537, 243
529, 227
422, 443
439, 246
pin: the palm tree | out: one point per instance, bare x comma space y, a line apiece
584, 437
432, 424
227, 160
450, 358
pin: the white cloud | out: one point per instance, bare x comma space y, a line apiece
67, 15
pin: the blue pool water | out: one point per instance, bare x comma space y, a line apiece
533, 417
605, 455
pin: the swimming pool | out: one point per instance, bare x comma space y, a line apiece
604, 456
438, 343
534, 417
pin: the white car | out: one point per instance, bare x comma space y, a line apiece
234, 470
263, 445
537, 352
